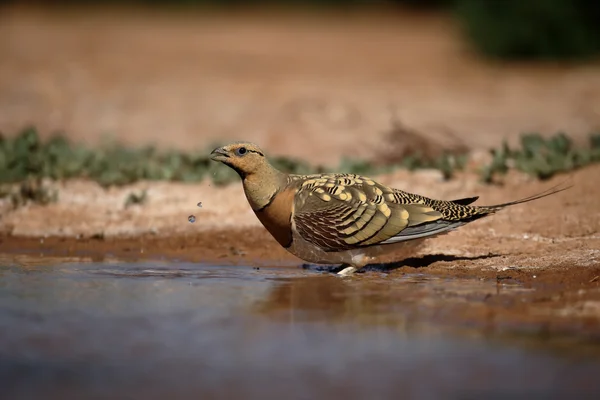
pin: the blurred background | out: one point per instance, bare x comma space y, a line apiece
318, 80
323, 82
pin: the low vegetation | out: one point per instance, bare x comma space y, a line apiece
29, 191
26, 163
26, 157
542, 158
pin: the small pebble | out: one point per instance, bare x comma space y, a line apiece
199, 204
192, 219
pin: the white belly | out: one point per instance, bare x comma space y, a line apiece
357, 257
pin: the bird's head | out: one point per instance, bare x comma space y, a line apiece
245, 158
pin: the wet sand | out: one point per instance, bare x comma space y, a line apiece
557, 298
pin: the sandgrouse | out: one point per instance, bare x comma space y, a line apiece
340, 218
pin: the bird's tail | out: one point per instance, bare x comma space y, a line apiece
460, 213
548, 192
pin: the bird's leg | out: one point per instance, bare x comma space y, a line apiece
347, 270
358, 261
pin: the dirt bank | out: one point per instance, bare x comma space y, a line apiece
549, 234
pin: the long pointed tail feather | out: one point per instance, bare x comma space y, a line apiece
455, 220
548, 192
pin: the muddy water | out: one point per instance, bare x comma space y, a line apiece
71, 329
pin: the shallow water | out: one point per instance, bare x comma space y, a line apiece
79, 330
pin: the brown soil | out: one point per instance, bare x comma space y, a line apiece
148, 76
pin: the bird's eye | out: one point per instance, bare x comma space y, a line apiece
241, 151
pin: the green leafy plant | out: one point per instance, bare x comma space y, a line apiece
25, 156
26, 160
28, 191
542, 157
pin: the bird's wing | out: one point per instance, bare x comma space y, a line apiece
342, 211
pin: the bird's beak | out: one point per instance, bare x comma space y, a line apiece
219, 154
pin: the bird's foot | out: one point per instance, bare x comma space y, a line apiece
347, 271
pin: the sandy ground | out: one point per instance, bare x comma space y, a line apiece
312, 88
560, 229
